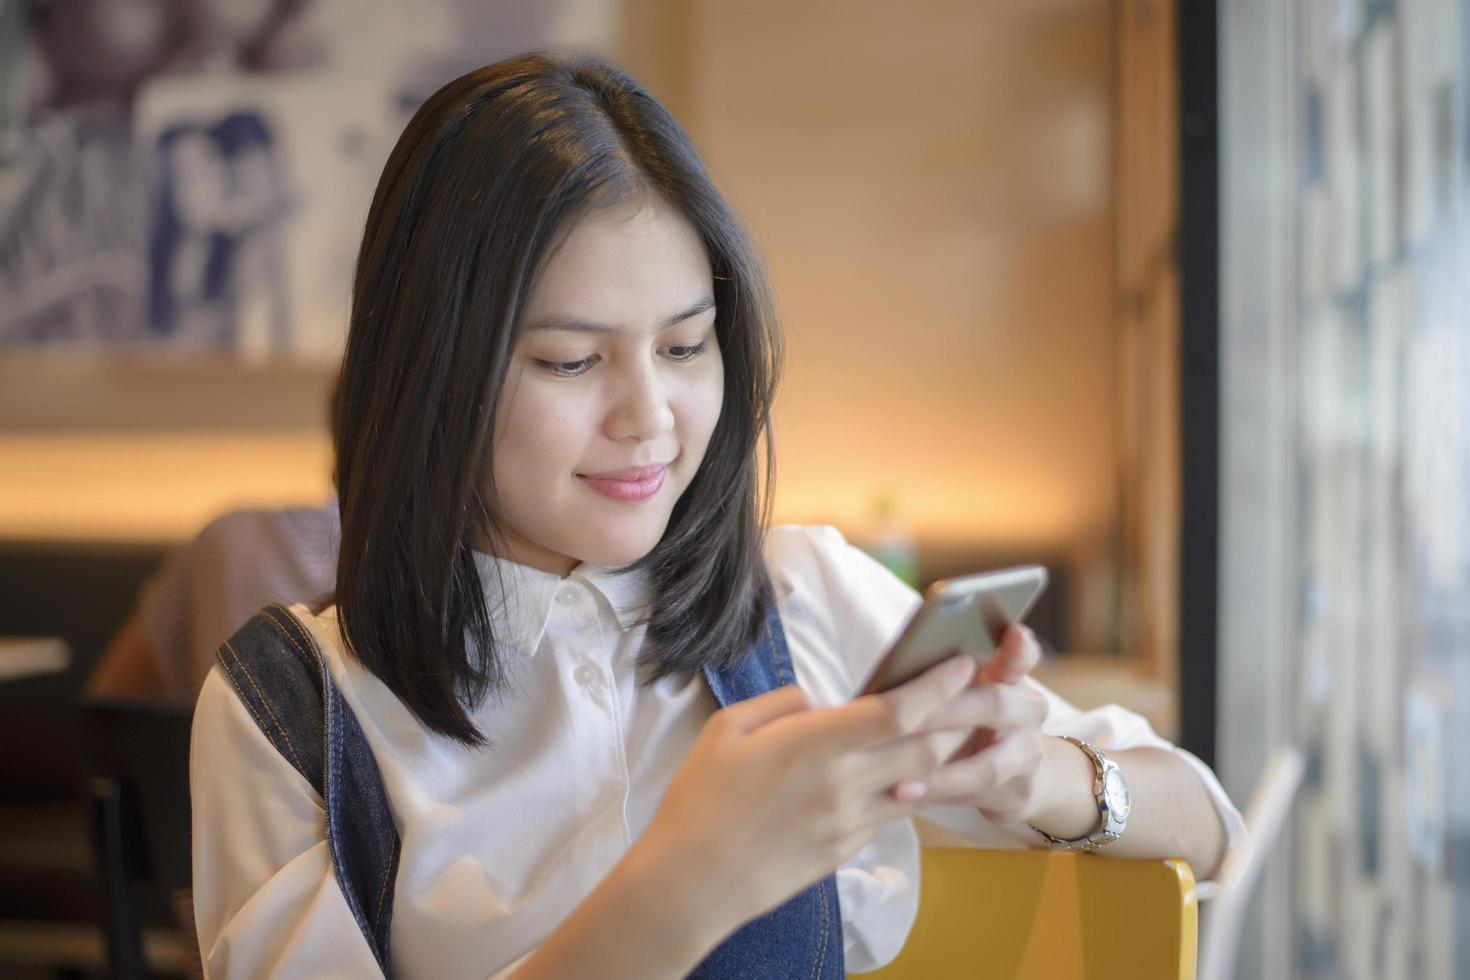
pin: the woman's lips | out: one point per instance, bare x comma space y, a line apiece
639, 483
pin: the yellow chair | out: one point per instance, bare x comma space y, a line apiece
1050, 916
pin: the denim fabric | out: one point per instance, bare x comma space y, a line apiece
280, 676
803, 936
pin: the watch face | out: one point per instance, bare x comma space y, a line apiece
1115, 791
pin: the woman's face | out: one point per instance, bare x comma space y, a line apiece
618, 368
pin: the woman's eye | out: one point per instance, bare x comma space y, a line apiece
687, 352
567, 369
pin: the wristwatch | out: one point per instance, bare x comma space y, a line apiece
1110, 790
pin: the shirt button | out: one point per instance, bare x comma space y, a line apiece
585, 675
567, 596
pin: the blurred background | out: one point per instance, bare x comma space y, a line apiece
1169, 297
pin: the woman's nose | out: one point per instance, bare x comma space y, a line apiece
642, 409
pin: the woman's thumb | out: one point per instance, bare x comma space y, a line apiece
752, 713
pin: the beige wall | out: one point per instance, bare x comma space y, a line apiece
931, 184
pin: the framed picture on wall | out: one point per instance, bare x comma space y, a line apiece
185, 184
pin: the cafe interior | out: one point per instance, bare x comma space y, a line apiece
1165, 297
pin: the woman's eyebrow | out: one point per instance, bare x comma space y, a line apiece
583, 326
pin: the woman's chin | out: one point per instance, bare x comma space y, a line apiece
613, 551
613, 557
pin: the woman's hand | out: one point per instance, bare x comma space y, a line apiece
776, 794
1003, 763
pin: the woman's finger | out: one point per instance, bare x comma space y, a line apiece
875, 718
912, 757
1017, 654
999, 707
970, 780
883, 805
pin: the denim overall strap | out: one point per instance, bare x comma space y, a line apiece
281, 677
803, 937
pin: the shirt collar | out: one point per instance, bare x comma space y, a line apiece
625, 589
520, 598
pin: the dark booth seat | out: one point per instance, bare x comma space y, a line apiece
79, 592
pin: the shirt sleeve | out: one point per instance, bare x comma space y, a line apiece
266, 902
839, 609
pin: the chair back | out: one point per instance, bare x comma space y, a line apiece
77, 592
138, 760
1048, 915
1266, 815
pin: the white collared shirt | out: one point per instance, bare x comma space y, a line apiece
500, 845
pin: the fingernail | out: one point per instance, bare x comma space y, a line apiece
910, 790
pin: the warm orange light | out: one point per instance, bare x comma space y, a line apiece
151, 487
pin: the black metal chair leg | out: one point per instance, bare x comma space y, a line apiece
111, 833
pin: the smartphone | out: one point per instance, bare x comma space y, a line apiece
969, 613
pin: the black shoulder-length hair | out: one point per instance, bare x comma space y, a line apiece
488, 178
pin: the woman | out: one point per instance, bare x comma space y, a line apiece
569, 642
